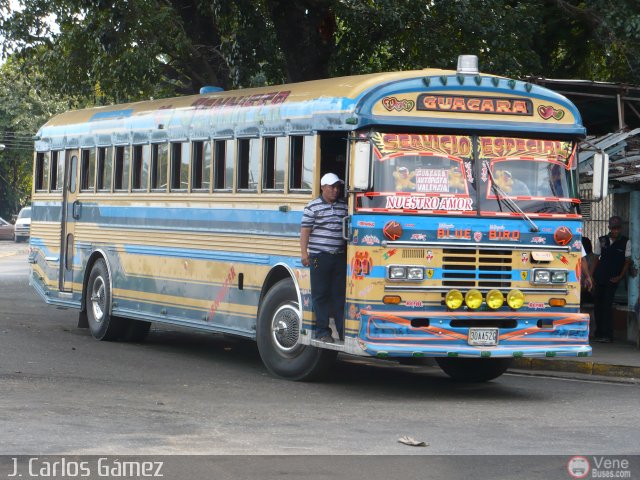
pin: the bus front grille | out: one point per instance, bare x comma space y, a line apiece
476, 268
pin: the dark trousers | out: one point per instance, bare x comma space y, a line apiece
603, 309
328, 290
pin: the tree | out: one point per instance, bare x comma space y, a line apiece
23, 109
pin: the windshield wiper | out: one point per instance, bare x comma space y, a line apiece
513, 206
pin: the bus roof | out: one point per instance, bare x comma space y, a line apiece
420, 99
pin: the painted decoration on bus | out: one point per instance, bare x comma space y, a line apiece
553, 150
474, 104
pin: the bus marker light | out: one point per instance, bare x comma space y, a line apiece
515, 299
473, 299
550, 354
518, 354
382, 354
485, 354
454, 299
392, 299
495, 299
452, 354
557, 302
417, 354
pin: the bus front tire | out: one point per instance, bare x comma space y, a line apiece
102, 324
474, 369
278, 332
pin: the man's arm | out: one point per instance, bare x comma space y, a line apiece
586, 275
305, 233
623, 272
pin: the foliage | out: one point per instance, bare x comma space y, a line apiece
23, 108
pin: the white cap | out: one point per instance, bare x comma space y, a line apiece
330, 179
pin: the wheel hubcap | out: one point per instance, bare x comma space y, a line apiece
98, 301
285, 328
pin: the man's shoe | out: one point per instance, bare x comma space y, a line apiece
326, 339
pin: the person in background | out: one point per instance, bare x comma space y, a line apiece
613, 252
588, 257
323, 250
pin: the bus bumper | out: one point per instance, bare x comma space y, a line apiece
444, 334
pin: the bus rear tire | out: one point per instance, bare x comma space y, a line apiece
474, 369
278, 335
102, 324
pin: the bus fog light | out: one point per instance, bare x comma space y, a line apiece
454, 299
473, 299
515, 299
495, 299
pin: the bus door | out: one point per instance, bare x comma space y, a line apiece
70, 213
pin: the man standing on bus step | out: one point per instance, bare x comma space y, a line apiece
323, 250
613, 254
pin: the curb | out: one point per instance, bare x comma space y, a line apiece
583, 367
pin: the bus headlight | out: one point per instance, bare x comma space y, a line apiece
454, 299
473, 299
415, 273
397, 273
541, 276
495, 299
559, 276
515, 299
546, 276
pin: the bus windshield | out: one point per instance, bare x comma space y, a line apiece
471, 175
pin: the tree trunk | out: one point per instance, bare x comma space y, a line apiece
306, 34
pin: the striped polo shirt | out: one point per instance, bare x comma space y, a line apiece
325, 221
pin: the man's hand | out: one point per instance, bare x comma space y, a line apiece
305, 260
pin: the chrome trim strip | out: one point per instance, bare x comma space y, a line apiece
436, 289
474, 246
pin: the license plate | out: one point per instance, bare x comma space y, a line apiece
483, 336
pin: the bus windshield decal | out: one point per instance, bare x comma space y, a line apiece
494, 147
389, 143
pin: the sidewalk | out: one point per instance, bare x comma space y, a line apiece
619, 359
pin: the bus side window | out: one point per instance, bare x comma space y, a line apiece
104, 168
179, 166
57, 171
201, 166
273, 165
223, 166
140, 167
301, 158
121, 176
159, 163
248, 164
87, 170
42, 171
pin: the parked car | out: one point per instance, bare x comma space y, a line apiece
23, 225
6, 230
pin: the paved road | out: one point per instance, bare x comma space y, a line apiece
61, 392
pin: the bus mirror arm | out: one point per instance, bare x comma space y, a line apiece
345, 227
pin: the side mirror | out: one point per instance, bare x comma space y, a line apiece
362, 166
600, 175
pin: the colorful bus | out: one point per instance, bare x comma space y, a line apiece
463, 234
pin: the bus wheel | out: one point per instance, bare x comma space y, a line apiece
474, 369
278, 333
135, 330
102, 325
